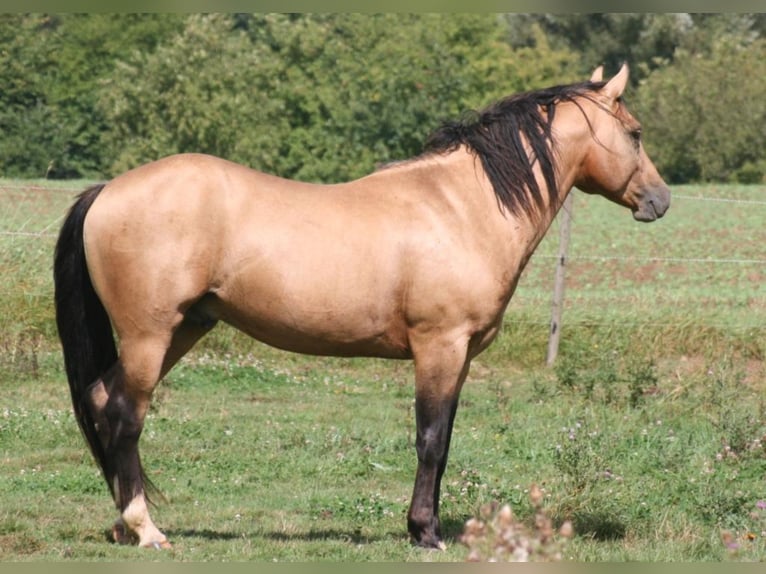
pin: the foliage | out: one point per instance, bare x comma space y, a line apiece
704, 114
696, 79
315, 97
50, 66
26, 119
193, 94
607, 39
328, 97
606, 375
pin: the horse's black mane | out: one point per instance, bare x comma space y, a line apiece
497, 135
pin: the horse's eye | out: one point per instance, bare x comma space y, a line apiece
636, 134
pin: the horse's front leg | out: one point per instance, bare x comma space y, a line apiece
440, 371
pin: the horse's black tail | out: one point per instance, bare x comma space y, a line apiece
83, 324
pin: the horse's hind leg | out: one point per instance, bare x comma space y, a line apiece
121, 401
142, 364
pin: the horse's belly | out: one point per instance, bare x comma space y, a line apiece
320, 323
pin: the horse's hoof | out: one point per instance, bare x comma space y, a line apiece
432, 544
120, 535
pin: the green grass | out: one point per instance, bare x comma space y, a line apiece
311, 459
647, 434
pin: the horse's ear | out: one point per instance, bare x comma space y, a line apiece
614, 87
597, 75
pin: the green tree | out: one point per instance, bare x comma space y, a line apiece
696, 78
86, 48
607, 39
27, 122
315, 97
704, 115
201, 90
50, 66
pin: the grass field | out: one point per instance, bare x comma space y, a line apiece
649, 434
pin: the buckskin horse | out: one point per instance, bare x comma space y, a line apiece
417, 260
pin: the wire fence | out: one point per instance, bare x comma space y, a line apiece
33, 214
739, 292
711, 260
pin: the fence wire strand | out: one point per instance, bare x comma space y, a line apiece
653, 259
46, 233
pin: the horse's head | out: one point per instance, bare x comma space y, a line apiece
616, 165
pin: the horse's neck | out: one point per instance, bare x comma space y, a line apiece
535, 225
572, 145
458, 179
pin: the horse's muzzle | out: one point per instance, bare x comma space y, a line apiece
654, 204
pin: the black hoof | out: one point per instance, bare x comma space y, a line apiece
429, 540
432, 544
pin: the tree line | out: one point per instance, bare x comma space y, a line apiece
327, 97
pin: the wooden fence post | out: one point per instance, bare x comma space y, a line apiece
565, 225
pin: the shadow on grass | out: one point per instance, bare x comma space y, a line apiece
602, 526
205, 533
350, 536
172, 535
452, 529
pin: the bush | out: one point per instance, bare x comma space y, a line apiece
314, 97
704, 115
